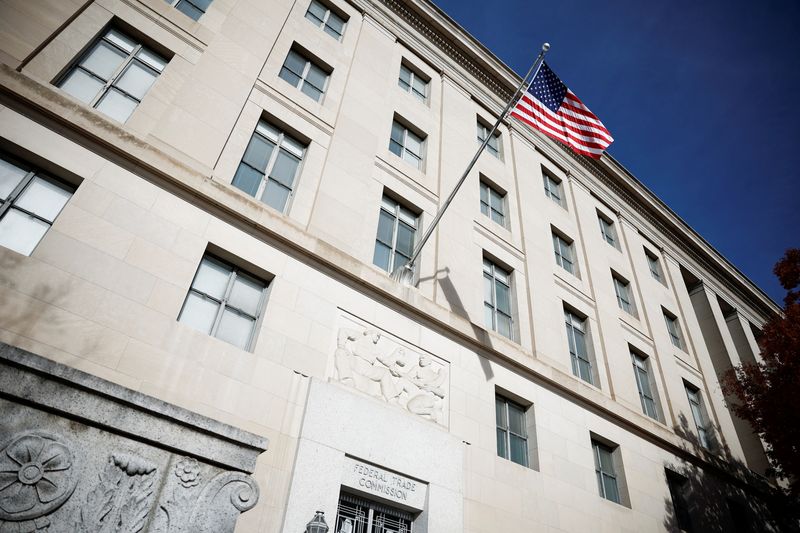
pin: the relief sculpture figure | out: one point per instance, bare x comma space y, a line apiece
424, 388
358, 358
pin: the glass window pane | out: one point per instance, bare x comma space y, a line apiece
284, 169
116, 105
268, 130
498, 217
335, 24
386, 228
103, 60
398, 132
412, 158
381, 256
405, 239
247, 179
606, 464
585, 370
500, 412
516, 420
396, 148
199, 312
610, 486
246, 294
258, 152
295, 63
420, 86
399, 260
152, 59
136, 79
519, 450
212, 278
311, 91
121, 40
44, 198
235, 329
289, 76
503, 297
316, 77
504, 325
488, 316
275, 195
488, 290
405, 77
21, 232
81, 85
502, 443
10, 176
316, 12
414, 144
188, 9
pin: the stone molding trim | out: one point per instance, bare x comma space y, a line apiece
81, 454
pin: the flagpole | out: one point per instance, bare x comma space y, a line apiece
405, 273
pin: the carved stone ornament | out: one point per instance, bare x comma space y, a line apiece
122, 499
416, 382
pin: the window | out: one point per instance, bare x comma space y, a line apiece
224, 302
497, 298
493, 147
114, 75
655, 266
269, 166
512, 437
552, 189
608, 231
305, 75
641, 371
674, 329
397, 228
679, 493
493, 203
699, 416
606, 473
412, 82
323, 17
192, 8
359, 515
624, 298
565, 253
578, 352
407, 145
29, 203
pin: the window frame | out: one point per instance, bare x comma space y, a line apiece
560, 243
654, 264
677, 485
575, 323
418, 161
302, 78
323, 24
608, 230
362, 513
698, 411
626, 303
111, 84
482, 131
558, 195
507, 404
398, 214
601, 474
488, 208
641, 365
235, 272
676, 336
414, 75
491, 277
176, 3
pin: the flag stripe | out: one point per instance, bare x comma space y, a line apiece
550, 107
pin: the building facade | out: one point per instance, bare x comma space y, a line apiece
201, 202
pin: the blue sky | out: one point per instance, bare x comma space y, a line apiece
701, 98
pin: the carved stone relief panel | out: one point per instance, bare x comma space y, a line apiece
374, 362
77, 460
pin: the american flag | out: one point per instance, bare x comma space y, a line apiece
550, 107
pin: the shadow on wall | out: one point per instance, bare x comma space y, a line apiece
25, 323
457, 306
716, 499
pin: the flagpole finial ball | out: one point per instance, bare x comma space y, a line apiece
545, 47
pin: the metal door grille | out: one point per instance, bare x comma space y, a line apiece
357, 515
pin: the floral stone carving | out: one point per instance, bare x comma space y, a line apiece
416, 382
36, 477
122, 500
